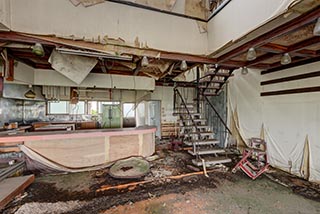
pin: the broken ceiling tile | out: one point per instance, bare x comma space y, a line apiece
88, 3
76, 68
75, 2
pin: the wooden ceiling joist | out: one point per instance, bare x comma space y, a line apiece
271, 35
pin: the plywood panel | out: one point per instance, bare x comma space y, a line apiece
71, 153
123, 146
11, 187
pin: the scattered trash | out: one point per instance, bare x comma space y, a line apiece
254, 159
193, 168
152, 158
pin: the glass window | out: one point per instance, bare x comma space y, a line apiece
58, 107
93, 107
128, 110
78, 108
106, 103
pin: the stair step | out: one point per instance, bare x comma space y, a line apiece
201, 133
218, 74
202, 142
209, 87
206, 151
199, 127
186, 113
210, 94
210, 161
212, 81
195, 120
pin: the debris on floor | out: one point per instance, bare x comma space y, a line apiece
130, 168
254, 160
11, 187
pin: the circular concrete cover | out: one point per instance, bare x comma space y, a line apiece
134, 167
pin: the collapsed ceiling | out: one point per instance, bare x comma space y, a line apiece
295, 39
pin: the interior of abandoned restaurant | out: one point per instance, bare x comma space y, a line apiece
159, 106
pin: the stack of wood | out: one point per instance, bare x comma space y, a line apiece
12, 186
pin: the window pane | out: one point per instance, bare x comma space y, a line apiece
106, 103
78, 108
93, 107
128, 110
60, 107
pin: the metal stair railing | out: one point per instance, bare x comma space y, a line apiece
220, 119
191, 118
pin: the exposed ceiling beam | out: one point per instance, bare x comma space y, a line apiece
277, 66
271, 35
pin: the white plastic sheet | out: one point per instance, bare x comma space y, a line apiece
288, 120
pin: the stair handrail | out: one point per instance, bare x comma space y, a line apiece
220, 118
194, 123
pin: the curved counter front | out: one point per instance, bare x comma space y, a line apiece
80, 149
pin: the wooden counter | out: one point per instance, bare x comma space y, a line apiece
86, 148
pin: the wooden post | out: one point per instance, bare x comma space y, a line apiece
10, 71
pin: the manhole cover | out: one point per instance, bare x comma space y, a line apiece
134, 167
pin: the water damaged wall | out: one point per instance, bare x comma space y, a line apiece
21, 111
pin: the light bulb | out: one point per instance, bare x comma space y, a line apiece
285, 59
144, 61
316, 29
251, 55
183, 65
244, 70
38, 50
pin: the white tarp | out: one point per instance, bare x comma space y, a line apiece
289, 121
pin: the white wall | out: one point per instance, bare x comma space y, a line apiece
5, 12
60, 17
238, 18
288, 120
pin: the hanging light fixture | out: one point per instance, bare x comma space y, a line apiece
316, 29
144, 61
251, 55
285, 59
37, 49
244, 71
30, 93
183, 65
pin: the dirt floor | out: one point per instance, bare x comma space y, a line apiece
222, 192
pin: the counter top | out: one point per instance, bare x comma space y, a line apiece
46, 135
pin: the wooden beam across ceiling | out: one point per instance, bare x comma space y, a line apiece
271, 35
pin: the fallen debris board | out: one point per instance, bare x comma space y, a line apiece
12, 187
134, 167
